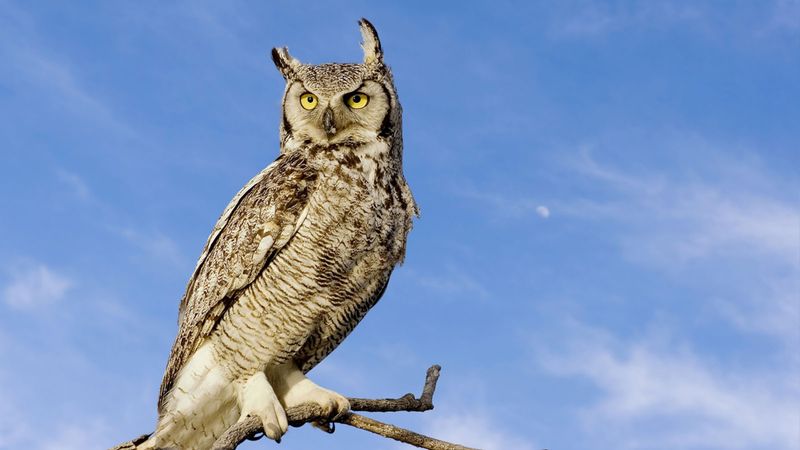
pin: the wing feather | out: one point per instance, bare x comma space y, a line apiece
257, 223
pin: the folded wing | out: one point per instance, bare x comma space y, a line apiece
259, 221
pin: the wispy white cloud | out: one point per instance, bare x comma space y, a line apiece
592, 20
672, 219
785, 17
59, 78
19, 430
655, 393
80, 189
13, 428
773, 310
218, 26
476, 430
595, 18
734, 215
35, 286
676, 220
157, 245
724, 213
27, 62
75, 436
733, 220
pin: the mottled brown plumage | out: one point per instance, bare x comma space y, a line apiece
297, 258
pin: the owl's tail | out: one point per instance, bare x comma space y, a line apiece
199, 408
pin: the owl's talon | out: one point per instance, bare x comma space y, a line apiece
272, 432
257, 398
295, 389
328, 427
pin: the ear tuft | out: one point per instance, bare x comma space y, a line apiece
285, 63
373, 53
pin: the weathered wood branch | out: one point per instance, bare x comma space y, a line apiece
251, 428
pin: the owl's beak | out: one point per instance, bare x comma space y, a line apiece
328, 123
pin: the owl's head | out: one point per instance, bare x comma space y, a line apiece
339, 103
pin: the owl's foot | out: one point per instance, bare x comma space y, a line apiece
295, 389
332, 404
258, 399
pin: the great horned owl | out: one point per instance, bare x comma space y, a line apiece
297, 258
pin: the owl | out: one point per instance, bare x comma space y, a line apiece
296, 260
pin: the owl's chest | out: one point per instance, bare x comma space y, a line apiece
350, 220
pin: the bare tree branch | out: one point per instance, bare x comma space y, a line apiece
311, 413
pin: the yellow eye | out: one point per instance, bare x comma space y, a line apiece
308, 101
357, 100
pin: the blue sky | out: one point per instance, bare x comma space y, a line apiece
609, 250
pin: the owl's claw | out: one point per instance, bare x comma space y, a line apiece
332, 405
295, 389
328, 427
257, 399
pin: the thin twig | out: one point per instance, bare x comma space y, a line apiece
405, 403
397, 433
